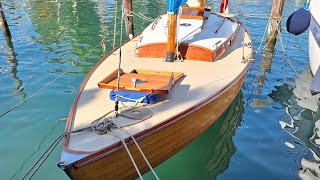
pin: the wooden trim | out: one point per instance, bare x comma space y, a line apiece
192, 17
218, 52
193, 8
188, 51
81, 87
185, 122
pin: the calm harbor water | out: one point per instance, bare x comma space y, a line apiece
265, 134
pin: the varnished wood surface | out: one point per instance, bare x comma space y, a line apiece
188, 51
172, 18
155, 84
159, 146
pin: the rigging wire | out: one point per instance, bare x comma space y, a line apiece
116, 107
51, 82
115, 25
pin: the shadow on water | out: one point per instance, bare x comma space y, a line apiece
208, 155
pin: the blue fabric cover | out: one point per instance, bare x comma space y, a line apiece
173, 5
298, 22
134, 96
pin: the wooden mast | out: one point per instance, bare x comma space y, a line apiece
171, 37
172, 21
201, 3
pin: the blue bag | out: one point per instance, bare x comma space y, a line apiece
129, 96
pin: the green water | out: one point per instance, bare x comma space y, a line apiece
247, 142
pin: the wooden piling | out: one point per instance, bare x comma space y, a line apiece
4, 24
274, 22
273, 30
128, 17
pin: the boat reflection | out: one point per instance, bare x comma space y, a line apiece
210, 153
303, 110
222, 146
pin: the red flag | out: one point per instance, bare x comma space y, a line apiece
223, 6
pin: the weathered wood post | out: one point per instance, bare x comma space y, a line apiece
274, 22
128, 17
273, 30
4, 24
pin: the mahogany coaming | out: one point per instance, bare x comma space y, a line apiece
159, 144
187, 51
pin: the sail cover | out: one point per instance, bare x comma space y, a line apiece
173, 6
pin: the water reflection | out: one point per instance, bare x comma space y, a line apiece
303, 125
209, 155
11, 58
222, 145
265, 65
70, 29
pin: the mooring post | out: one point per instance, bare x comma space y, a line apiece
274, 22
4, 24
128, 17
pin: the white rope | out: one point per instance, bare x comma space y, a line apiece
264, 35
47, 85
141, 152
104, 127
128, 151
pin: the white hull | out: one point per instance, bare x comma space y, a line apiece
314, 36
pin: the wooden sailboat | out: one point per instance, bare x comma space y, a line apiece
214, 52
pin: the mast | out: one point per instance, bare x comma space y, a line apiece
172, 10
201, 3
171, 37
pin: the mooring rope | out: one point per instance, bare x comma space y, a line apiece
128, 151
289, 61
48, 84
34, 168
139, 15
264, 36
141, 152
103, 124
